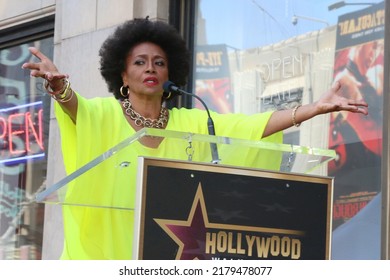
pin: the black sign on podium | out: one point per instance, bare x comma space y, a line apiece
186, 207
201, 211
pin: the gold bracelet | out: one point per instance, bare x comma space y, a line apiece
59, 92
65, 97
294, 112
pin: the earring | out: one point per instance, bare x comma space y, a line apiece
166, 97
125, 95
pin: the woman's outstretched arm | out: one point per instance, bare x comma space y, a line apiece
331, 101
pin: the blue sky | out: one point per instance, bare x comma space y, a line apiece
246, 24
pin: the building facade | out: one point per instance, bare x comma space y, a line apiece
232, 74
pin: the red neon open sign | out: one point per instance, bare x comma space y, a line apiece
21, 132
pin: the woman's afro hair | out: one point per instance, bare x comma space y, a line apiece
115, 50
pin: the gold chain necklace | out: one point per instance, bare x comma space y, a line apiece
145, 122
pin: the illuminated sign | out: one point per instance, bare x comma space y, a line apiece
21, 133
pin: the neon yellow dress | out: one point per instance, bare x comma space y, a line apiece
107, 233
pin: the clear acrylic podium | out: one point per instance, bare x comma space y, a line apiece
136, 185
195, 148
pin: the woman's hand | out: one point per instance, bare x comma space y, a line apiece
333, 101
46, 70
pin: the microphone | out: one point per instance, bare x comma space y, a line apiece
171, 87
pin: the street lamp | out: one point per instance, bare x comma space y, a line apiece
294, 19
341, 4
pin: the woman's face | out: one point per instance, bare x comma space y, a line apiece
146, 70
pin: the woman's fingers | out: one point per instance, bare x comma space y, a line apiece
336, 86
31, 66
357, 102
37, 71
38, 54
44, 69
351, 105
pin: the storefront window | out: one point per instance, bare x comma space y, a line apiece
24, 127
255, 56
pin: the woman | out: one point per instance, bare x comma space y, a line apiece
135, 62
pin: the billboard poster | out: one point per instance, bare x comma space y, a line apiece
212, 82
357, 139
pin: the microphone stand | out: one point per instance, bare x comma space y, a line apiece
170, 86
